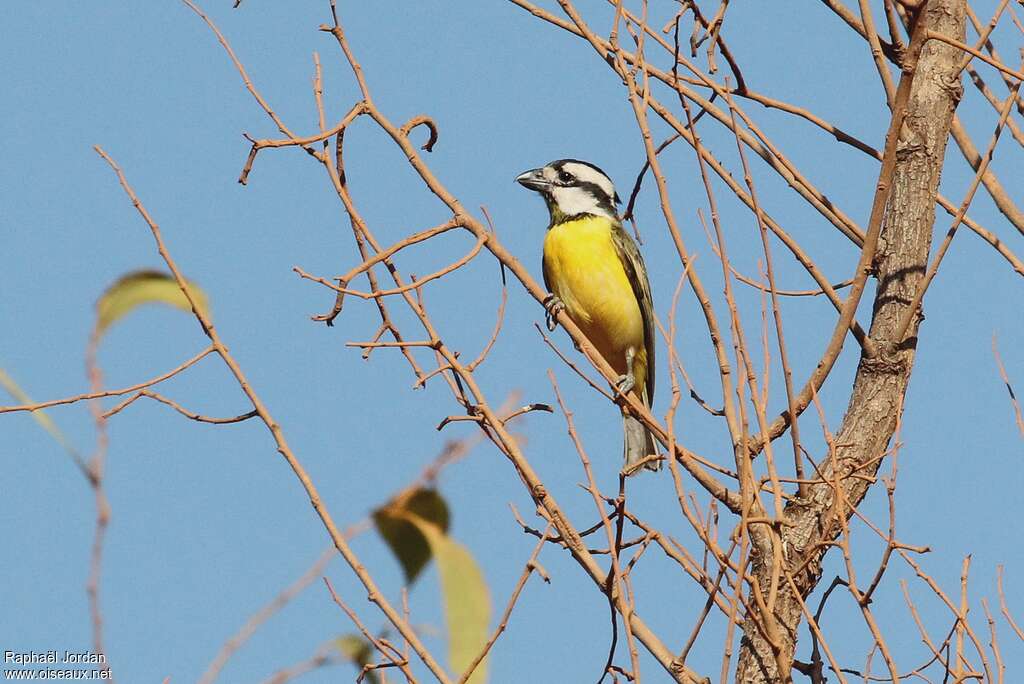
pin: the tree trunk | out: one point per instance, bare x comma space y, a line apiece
881, 382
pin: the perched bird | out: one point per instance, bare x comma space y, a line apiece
594, 271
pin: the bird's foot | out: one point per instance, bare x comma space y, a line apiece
553, 305
626, 383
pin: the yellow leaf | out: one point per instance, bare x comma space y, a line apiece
405, 540
7, 382
359, 651
143, 287
467, 603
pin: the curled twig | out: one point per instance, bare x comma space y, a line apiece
421, 120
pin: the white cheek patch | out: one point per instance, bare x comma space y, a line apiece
572, 201
588, 174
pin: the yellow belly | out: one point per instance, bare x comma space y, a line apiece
584, 271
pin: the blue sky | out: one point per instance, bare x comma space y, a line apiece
208, 523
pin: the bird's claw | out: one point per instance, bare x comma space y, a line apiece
625, 383
552, 307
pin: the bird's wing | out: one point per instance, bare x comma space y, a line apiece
636, 272
547, 278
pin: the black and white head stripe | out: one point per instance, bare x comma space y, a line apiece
579, 187
586, 173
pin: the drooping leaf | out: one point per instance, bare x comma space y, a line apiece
143, 287
43, 419
467, 602
406, 541
357, 649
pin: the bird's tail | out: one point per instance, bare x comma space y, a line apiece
639, 444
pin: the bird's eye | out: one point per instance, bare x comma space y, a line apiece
565, 177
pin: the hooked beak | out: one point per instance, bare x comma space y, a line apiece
533, 180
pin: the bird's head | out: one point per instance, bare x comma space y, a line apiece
570, 188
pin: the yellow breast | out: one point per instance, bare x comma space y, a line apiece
583, 268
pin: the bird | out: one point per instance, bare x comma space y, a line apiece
595, 273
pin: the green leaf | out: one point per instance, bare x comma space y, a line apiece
406, 541
467, 603
7, 382
357, 649
143, 287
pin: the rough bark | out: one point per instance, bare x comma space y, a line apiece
880, 382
